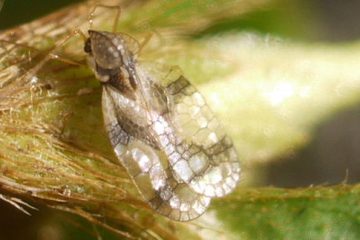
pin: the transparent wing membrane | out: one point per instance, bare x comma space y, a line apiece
149, 168
207, 154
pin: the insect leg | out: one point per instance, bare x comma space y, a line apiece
51, 55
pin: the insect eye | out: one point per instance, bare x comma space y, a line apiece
87, 46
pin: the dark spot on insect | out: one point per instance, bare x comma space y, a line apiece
87, 46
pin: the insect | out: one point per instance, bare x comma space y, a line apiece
162, 131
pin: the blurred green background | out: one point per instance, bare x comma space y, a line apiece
17, 12
333, 154
317, 20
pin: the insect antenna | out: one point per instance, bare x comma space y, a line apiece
117, 8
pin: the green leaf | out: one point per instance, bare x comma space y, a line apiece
312, 213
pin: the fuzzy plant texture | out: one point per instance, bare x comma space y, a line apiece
268, 92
